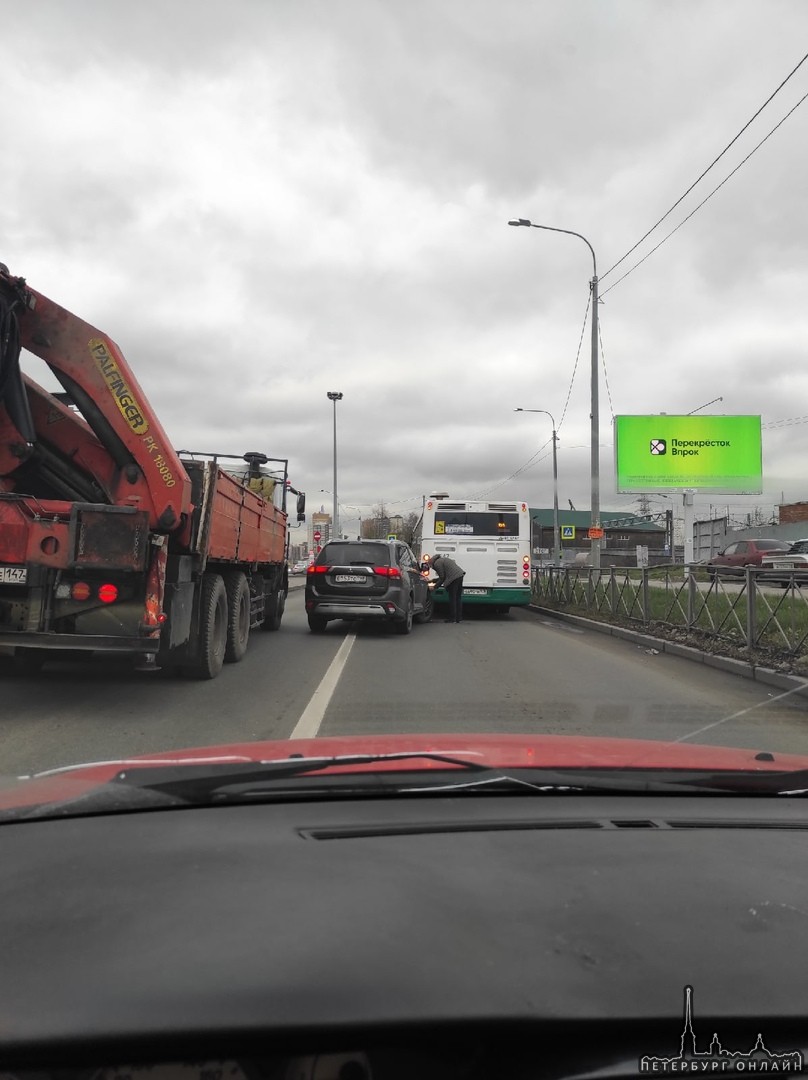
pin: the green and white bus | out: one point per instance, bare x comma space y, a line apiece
491, 541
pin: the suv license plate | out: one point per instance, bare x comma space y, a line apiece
13, 575
358, 578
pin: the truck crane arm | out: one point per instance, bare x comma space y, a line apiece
144, 471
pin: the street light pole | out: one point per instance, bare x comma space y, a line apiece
335, 396
594, 514
556, 528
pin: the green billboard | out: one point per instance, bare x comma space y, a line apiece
720, 454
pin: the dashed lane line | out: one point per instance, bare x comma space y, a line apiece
311, 718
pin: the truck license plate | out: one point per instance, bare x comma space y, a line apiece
13, 575
349, 577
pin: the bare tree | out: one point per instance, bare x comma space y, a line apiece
377, 525
411, 521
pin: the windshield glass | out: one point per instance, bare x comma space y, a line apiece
305, 306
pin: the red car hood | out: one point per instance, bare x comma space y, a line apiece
498, 751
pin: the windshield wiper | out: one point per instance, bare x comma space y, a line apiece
178, 785
199, 781
185, 784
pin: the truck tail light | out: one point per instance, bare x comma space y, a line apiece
108, 593
80, 590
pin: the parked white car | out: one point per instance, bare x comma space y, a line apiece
792, 561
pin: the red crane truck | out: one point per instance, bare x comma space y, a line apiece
110, 540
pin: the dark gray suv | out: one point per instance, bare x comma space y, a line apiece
367, 579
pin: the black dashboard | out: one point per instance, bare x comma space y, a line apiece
435, 936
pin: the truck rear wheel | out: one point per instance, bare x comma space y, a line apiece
275, 605
212, 639
238, 616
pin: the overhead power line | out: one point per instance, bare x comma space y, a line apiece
708, 197
789, 422
710, 166
575, 365
530, 461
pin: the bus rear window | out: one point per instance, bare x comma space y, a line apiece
487, 523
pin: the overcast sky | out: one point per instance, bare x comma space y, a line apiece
261, 201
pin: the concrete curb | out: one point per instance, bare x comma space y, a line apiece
687, 652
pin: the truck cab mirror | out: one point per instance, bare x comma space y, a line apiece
301, 507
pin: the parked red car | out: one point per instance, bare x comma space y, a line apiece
743, 553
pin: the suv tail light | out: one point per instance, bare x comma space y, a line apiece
317, 569
387, 571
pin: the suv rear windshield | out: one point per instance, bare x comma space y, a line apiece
354, 555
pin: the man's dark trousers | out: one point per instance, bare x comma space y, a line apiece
455, 593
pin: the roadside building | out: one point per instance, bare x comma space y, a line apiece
622, 534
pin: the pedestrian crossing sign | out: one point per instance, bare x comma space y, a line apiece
567, 532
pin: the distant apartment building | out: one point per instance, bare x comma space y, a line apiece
320, 523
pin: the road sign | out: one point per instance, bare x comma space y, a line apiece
392, 536
596, 533
317, 535
567, 532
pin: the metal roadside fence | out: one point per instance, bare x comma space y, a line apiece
749, 610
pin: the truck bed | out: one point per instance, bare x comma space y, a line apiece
232, 523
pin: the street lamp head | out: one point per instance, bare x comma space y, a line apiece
520, 221
334, 395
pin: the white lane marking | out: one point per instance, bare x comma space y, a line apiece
308, 725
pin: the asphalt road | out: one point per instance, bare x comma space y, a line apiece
521, 673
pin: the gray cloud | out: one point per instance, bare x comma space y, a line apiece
264, 202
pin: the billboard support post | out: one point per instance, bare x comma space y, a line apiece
690, 518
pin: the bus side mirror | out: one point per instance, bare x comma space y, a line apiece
301, 507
